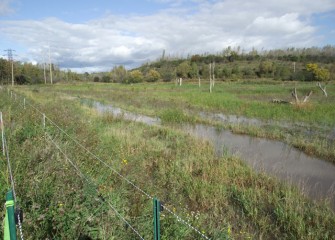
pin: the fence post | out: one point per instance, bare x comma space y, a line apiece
2, 134
10, 226
157, 207
24, 103
43, 120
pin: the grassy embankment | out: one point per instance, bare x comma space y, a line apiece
249, 99
221, 196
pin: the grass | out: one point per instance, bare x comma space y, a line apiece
176, 104
246, 99
221, 196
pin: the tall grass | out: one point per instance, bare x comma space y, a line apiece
175, 104
222, 197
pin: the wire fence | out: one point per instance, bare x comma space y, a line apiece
10, 172
48, 124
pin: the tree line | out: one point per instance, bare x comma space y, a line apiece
28, 73
299, 64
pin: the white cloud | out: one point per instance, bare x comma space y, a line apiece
5, 7
205, 27
286, 24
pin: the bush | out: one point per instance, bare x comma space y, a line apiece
21, 79
152, 76
106, 79
135, 76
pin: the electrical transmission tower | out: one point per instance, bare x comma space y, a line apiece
11, 62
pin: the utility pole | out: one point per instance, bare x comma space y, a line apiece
211, 76
10, 60
50, 66
44, 65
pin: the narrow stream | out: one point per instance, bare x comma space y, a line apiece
314, 176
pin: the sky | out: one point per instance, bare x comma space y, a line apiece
86, 35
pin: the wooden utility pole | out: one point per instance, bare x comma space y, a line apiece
50, 66
45, 75
210, 77
213, 75
44, 67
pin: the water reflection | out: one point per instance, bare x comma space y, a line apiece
324, 131
314, 176
118, 112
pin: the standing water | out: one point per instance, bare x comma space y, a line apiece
314, 176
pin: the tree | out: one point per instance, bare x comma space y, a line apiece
118, 74
196, 58
4, 71
266, 68
183, 69
21, 79
86, 76
194, 70
226, 72
282, 72
319, 74
106, 79
135, 76
204, 71
167, 72
152, 76
96, 79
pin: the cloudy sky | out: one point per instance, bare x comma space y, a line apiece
86, 35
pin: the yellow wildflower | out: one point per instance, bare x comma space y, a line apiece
229, 230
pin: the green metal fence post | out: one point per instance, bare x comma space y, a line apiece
156, 220
10, 226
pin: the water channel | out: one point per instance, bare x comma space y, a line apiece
314, 176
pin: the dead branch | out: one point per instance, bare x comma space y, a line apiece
307, 96
323, 89
295, 95
296, 98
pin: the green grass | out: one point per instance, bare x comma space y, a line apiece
247, 99
221, 196
176, 104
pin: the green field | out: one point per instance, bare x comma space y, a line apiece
220, 196
249, 99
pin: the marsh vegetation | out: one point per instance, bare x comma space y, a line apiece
220, 195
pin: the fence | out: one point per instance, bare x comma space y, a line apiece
50, 127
